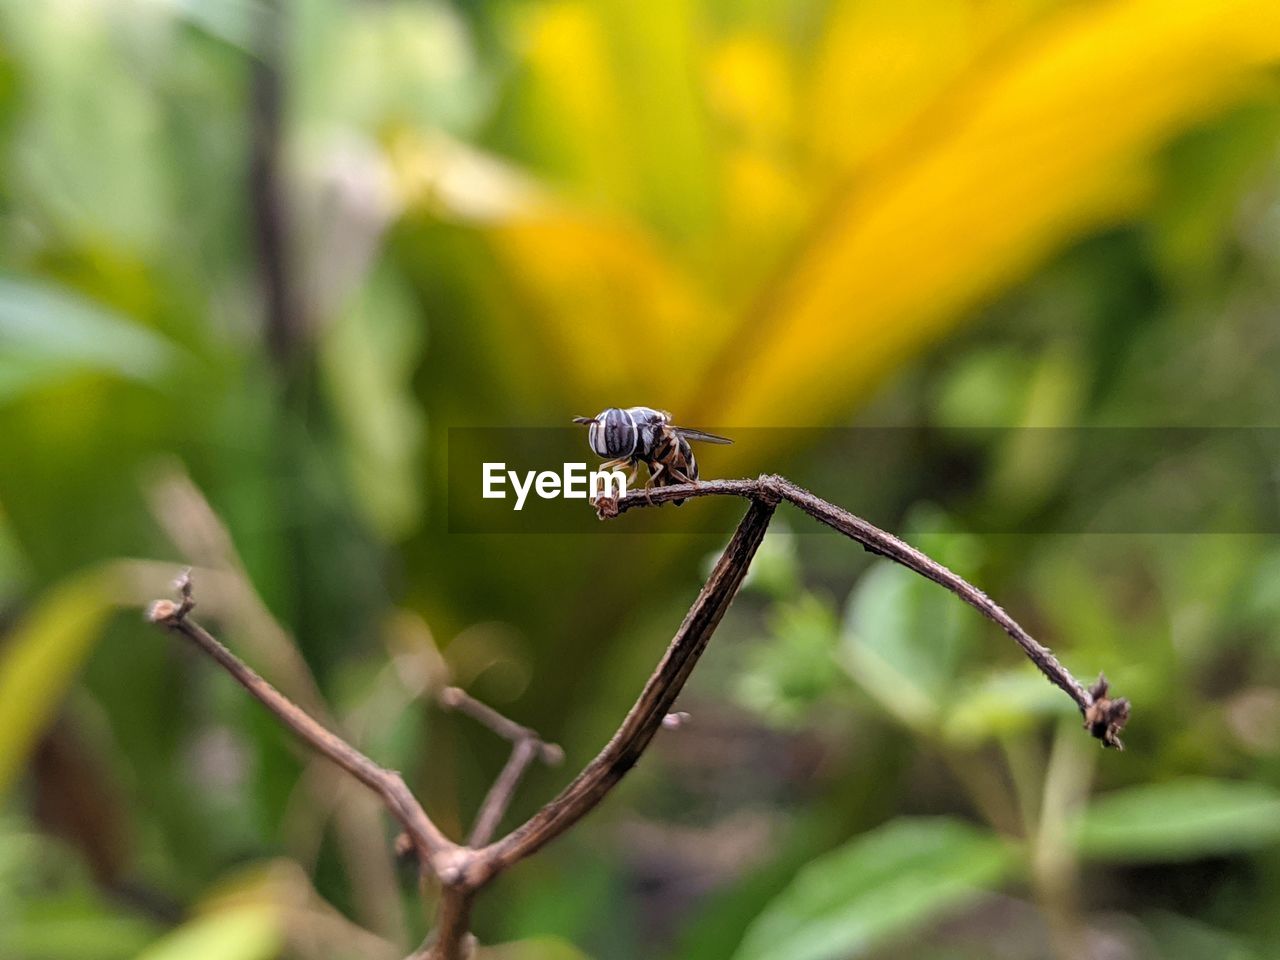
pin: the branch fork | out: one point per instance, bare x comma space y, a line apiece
463, 869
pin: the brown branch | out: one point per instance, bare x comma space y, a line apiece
450, 863
195, 528
388, 784
499, 797
455, 698
649, 711
452, 938
1104, 717
526, 746
463, 870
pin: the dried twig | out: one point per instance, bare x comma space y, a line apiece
454, 698
646, 717
462, 870
526, 746
388, 784
499, 796
1104, 717
195, 528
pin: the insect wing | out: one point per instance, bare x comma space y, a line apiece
690, 434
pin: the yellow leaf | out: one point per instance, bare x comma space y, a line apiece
41, 656
750, 92
245, 931
936, 152
749, 89
575, 98
612, 95
1037, 146
881, 66
244, 916
614, 314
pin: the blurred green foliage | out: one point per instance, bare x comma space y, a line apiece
930, 216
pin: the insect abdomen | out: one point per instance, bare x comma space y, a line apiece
672, 453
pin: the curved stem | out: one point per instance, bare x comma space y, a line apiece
1104, 716
646, 716
388, 784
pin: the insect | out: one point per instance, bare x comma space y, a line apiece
639, 435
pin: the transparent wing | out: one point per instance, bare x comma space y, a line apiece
690, 434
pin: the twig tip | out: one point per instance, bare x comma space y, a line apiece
167, 611
1105, 717
552, 754
450, 697
162, 611
406, 851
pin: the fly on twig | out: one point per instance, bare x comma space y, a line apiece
639, 435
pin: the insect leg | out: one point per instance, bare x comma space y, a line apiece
679, 476
614, 465
655, 471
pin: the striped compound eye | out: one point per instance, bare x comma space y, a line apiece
612, 434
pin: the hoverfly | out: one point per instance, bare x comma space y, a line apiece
643, 435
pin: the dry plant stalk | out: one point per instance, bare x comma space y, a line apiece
463, 869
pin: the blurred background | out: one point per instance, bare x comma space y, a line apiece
257, 259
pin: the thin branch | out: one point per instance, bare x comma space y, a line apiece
647, 715
1104, 717
193, 526
526, 746
386, 783
455, 698
499, 797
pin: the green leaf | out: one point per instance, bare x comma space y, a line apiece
74, 927
905, 637
231, 21
1179, 820
47, 333
877, 887
245, 931
1000, 703
794, 668
103, 183
369, 355
775, 571
1184, 938
536, 948
369, 69
41, 658
51, 908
